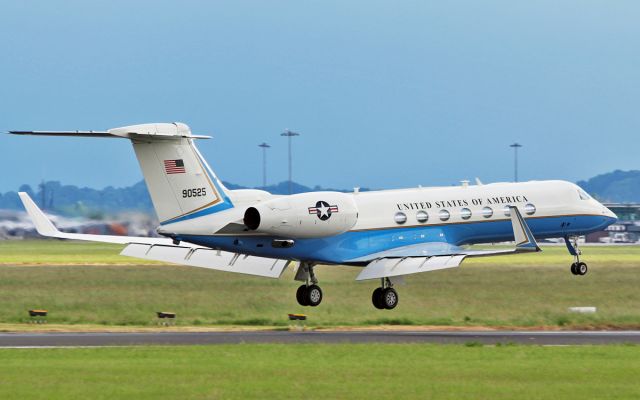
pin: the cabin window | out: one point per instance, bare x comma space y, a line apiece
583, 195
507, 211
530, 209
444, 215
465, 213
487, 212
400, 218
422, 216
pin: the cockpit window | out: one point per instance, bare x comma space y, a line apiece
583, 195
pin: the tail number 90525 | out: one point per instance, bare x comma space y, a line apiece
195, 192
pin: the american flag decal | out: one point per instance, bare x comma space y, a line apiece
174, 167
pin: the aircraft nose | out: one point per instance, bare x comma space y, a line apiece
609, 214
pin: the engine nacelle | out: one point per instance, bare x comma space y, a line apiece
304, 215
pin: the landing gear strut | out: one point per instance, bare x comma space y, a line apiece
578, 267
385, 297
310, 293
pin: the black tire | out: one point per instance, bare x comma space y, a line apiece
314, 295
376, 298
582, 269
301, 295
389, 298
574, 268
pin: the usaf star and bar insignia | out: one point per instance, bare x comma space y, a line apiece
323, 210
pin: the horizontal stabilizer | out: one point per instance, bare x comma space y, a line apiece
388, 267
208, 258
64, 133
176, 130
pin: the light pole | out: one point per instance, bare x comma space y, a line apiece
289, 134
515, 147
264, 163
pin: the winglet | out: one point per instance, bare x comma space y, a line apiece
524, 238
44, 226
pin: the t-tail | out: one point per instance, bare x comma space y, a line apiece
181, 183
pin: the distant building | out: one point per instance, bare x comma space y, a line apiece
626, 230
625, 211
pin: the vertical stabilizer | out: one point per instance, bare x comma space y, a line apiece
179, 180
181, 184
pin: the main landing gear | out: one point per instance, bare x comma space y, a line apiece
578, 267
385, 297
310, 293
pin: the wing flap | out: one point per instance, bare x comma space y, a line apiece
204, 257
388, 267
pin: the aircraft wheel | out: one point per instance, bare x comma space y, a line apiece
301, 295
574, 268
581, 268
389, 298
376, 298
314, 295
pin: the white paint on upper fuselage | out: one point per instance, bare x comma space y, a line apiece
376, 209
550, 198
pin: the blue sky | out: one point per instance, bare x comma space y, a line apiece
385, 94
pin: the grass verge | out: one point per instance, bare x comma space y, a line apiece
513, 291
349, 371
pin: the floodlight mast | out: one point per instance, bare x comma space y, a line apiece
264, 146
289, 134
515, 147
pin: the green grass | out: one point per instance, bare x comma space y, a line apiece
322, 371
523, 290
62, 252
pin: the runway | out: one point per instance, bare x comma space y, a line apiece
212, 338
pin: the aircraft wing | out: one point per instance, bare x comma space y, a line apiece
45, 227
163, 249
205, 257
434, 256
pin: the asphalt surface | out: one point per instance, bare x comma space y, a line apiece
205, 338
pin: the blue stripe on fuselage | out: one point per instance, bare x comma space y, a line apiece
206, 211
355, 244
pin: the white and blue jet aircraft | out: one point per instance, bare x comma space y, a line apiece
388, 234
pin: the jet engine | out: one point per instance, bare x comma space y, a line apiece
305, 215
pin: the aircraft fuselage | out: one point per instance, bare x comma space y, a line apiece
434, 220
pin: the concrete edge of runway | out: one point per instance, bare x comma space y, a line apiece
93, 339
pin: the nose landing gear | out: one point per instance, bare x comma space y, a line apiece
578, 267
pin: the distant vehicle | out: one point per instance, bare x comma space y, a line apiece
388, 233
616, 238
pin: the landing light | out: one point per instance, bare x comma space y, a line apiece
166, 318
38, 316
